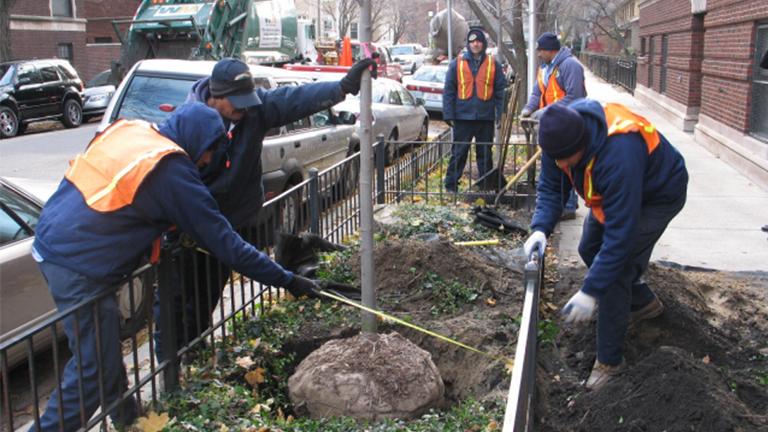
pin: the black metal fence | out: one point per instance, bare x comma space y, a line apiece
614, 69
200, 303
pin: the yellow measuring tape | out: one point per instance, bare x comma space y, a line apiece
506, 360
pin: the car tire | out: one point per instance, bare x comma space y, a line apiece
9, 122
72, 116
132, 321
351, 176
391, 149
293, 211
424, 131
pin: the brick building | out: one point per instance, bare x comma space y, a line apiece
77, 30
699, 63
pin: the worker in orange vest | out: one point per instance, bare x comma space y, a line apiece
634, 182
560, 80
132, 184
473, 98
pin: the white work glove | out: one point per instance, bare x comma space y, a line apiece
525, 113
537, 114
536, 241
579, 308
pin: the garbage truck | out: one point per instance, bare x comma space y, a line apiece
258, 31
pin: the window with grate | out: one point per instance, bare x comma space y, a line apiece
64, 51
62, 8
758, 113
650, 62
664, 58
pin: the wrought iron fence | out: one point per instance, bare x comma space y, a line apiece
189, 304
614, 69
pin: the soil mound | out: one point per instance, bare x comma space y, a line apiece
367, 377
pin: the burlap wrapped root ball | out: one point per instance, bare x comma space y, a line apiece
367, 377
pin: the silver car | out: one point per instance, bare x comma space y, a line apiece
410, 56
428, 83
98, 91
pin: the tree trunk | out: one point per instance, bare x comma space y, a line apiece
5, 30
520, 62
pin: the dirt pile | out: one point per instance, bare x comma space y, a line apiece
702, 365
367, 377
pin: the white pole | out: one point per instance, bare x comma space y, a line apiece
450, 30
531, 45
368, 324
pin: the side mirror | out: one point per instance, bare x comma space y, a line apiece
347, 118
420, 101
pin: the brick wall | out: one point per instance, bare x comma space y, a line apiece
684, 32
100, 57
729, 47
100, 14
30, 44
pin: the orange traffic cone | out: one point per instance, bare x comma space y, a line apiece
346, 52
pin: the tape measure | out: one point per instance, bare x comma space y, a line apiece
386, 316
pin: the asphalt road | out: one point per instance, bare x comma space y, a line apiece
44, 151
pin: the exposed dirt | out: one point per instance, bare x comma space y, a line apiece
697, 367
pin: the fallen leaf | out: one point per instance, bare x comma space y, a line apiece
254, 343
557, 378
509, 366
280, 414
492, 426
223, 428
255, 377
245, 362
551, 306
259, 408
706, 359
490, 301
153, 422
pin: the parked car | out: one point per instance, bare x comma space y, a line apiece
410, 56
154, 88
34, 90
98, 92
428, 83
387, 68
396, 114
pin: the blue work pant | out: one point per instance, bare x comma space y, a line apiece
94, 353
630, 292
573, 202
463, 132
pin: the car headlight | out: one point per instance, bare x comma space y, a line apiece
97, 98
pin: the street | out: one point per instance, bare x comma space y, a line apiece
43, 154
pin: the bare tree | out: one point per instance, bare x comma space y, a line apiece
380, 19
343, 12
5, 29
400, 21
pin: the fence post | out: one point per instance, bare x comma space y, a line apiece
314, 202
379, 157
168, 319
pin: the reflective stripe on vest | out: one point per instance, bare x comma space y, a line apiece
483, 81
552, 92
620, 120
116, 163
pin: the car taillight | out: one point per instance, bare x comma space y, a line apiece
411, 87
166, 107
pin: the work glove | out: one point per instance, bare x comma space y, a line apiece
536, 241
537, 114
579, 308
351, 82
300, 286
525, 113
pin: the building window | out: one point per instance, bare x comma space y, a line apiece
62, 8
650, 62
758, 115
102, 40
353, 30
64, 51
664, 58
642, 45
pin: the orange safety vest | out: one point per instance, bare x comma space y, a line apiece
552, 92
116, 162
620, 120
483, 81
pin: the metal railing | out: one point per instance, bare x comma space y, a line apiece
613, 69
192, 320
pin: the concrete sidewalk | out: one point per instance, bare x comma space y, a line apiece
720, 225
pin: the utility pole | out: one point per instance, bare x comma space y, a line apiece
450, 31
319, 27
367, 279
531, 44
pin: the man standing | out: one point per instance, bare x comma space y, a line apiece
132, 184
473, 98
634, 182
560, 81
234, 174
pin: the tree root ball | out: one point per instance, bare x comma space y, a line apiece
369, 377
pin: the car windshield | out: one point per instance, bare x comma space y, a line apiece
101, 79
153, 98
6, 73
431, 74
402, 50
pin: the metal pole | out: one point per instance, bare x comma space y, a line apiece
500, 33
318, 28
531, 44
366, 189
450, 30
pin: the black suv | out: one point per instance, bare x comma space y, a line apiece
34, 90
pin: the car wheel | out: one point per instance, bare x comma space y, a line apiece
73, 113
351, 177
424, 131
134, 314
391, 150
9, 122
291, 215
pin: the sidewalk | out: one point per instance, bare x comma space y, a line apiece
719, 227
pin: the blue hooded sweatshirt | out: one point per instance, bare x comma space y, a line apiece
570, 77
107, 246
627, 178
473, 108
234, 174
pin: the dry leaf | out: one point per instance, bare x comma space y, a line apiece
509, 366
259, 408
490, 301
557, 378
153, 422
255, 377
223, 428
317, 305
551, 306
492, 426
245, 362
280, 414
254, 343
706, 359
